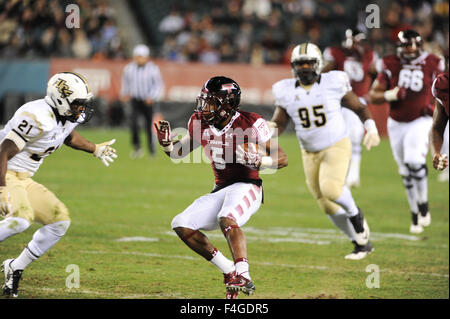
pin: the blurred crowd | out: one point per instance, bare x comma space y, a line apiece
264, 31
247, 31
37, 28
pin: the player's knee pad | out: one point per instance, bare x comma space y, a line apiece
407, 182
327, 206
11, 226
417, 171
59, 228
47, 236
331, 189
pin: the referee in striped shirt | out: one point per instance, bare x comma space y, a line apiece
143, 86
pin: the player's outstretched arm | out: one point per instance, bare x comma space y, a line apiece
279, 121
102, 151
8, 149
351, 101
379, 93
440, 119
174, 149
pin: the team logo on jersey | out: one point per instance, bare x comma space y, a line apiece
63, 88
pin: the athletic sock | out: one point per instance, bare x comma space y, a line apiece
242, 267
341, 221
347, 202
24, 259
223, 263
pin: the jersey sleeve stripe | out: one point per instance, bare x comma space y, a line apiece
23, 138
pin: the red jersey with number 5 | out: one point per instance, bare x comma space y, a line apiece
220, 145
416, 77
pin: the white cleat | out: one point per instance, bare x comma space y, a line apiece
12, 277
415, 229
424, 221
360, 252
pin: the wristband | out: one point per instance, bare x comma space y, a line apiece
370, 125
391, 95
168, 148
266, 161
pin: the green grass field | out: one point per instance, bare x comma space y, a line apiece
294, 250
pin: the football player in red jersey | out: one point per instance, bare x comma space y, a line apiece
439, 130
226, 135
404, 80
355, 58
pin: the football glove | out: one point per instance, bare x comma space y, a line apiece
440, 161
105, 152
251, 159
396, 94
371, 138
6, 207
164, 135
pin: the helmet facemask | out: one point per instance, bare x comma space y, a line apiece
82, 111
409, 44
306, 75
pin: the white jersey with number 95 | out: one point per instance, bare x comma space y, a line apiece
35, 125
316, 112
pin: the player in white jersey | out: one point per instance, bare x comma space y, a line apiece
36, 130
313, 101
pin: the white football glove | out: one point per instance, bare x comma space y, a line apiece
6, 206
105, 152
249, 158
371, 138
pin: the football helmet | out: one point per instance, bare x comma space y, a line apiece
69, 94
409, 44
219, 99
306, 53
354, 40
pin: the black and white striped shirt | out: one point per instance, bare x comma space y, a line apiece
143, 82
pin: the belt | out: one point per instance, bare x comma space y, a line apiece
20, 175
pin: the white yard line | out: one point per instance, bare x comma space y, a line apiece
270, 264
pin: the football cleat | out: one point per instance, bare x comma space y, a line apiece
416, 227
226, 279
240, 283
12, 278
424, 221
137, 154
360, 252
361, 227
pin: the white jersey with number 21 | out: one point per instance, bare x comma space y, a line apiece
36, 125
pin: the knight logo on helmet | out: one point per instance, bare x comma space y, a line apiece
409, 44
69, 94
218, 100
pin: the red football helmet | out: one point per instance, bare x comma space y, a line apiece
409, 44
219, 99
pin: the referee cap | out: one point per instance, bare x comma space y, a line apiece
141, 50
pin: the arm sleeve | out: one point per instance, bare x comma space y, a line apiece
327, 55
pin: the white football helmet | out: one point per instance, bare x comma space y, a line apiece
307, 52
69, 94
